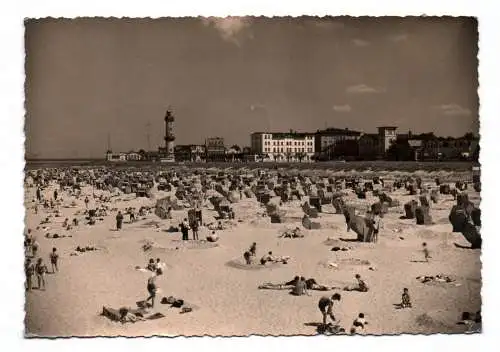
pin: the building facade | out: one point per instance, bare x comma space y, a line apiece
283, 147
334, 143
215, 150
190, 152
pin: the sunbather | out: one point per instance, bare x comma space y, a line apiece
360, 285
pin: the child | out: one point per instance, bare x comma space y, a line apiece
54, 257
405, 299
426, 252
361, 284
360, 321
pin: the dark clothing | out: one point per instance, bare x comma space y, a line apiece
119, 220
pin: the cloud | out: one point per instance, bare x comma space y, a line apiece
360, 42
342, 108
364, 89
401, 37
231, 29
453, 110
257, 106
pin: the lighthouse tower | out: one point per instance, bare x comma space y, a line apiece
169, 135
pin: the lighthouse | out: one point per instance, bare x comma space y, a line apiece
169, 135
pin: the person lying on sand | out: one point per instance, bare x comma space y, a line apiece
325, 306
311, 284
360, 285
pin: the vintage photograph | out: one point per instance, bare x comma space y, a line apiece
209, 176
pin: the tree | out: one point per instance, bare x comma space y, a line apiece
236, 148
469, 136
400, 150
143, 154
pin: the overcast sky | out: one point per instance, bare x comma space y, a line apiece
230, 77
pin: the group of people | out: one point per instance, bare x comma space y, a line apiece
34, 266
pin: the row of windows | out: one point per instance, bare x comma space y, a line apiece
288, 150
269, 136
288, 143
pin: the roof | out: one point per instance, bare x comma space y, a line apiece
388, 127
292, 134
338, 132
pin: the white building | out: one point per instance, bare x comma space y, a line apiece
283, 146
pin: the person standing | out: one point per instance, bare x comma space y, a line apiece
55, 194
152, 288
86, 202
40, 270
54, 258
29, 269
38, 194
184, 230
195, 228
119, 220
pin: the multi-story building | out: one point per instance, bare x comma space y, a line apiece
190, 152
283, 146
332, 143
215, 149
387, 136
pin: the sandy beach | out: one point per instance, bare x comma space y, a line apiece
224, 293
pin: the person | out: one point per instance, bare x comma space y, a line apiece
159, 264
185, 230
267, 258
405, 299
119, 220
253, 249
360, 321
40, 270
248, 258
152, 288
34, 247
86, 202
300, 287
325, 306
29, 269
376, 227
212, 237
426, 252
54, 257
195, 227
169, 213
38, 194
359, 286
151, 265
55, 194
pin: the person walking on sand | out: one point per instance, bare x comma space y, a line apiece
426, 252
54, 258
119, 220
40, 270
325, 306
152, 288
